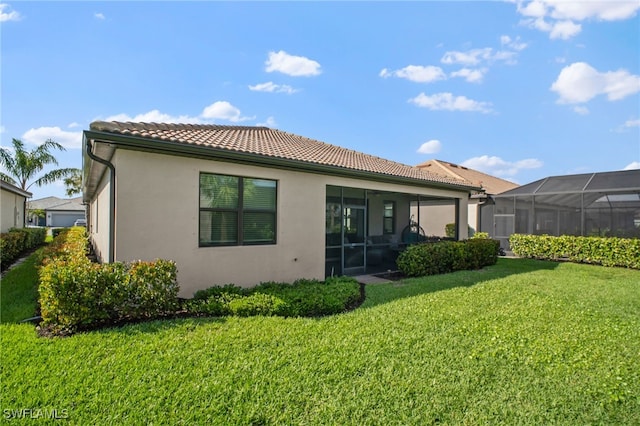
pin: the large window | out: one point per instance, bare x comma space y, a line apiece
237, 210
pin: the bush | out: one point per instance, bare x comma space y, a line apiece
301, 298
480, 236
624, 252
76, 293
56, 231
19, 240
447, 256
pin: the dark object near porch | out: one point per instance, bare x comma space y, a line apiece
413, 233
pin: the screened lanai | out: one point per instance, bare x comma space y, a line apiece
593, 204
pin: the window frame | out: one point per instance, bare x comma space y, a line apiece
391, 218
240, 210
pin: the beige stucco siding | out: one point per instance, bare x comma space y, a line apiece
12, 210
157, 199
98, 220
158, 212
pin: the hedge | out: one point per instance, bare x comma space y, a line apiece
624, 252
17, 241
77, 294
302, 298
447, 256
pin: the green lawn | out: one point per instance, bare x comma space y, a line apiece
522, 342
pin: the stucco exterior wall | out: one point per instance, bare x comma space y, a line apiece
12, 210
98, 220
158, 213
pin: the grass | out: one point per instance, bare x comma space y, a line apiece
522, 342
19, 291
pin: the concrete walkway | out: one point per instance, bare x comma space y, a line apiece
371, 279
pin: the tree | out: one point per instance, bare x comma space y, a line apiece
23, 166
73, 182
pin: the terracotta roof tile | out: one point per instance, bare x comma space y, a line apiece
273, 143
491, 184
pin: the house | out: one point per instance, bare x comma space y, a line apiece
480, 206
13, 201
605, 204
55, 212
242, 205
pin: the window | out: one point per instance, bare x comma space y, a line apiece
389, 218
237, 210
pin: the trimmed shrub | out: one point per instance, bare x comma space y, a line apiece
301, 298
76, 293
447, 256
257, 304
19, 240
624, 252
56, 231
480, 236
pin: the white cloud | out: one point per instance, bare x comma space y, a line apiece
448, 102
470, 57
223, 110
220, 110
516, 44
430, 147
580, 82
498, 167
564, 30
534, 9
416, 73
6, 14
2, 129
271, 87
600, 10
154, 116
559, 17
271, 123
37, 136
296, 66
633, 165
629, 124
471, 75
580, 109
632, 123
73, 125
99, 15
477, 56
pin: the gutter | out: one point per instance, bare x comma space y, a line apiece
112, 197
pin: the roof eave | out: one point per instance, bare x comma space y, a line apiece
12, 188
188, 150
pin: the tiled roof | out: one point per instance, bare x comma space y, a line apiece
55, 203
491, 184
272, 143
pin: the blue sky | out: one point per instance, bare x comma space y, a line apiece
520, 90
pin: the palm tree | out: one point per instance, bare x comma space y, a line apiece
73, 182
22, 166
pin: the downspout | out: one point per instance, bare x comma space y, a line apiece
112, 199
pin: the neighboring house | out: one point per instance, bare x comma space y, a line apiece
12, 201
480, 206
239, 204
58, 212
590, 204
